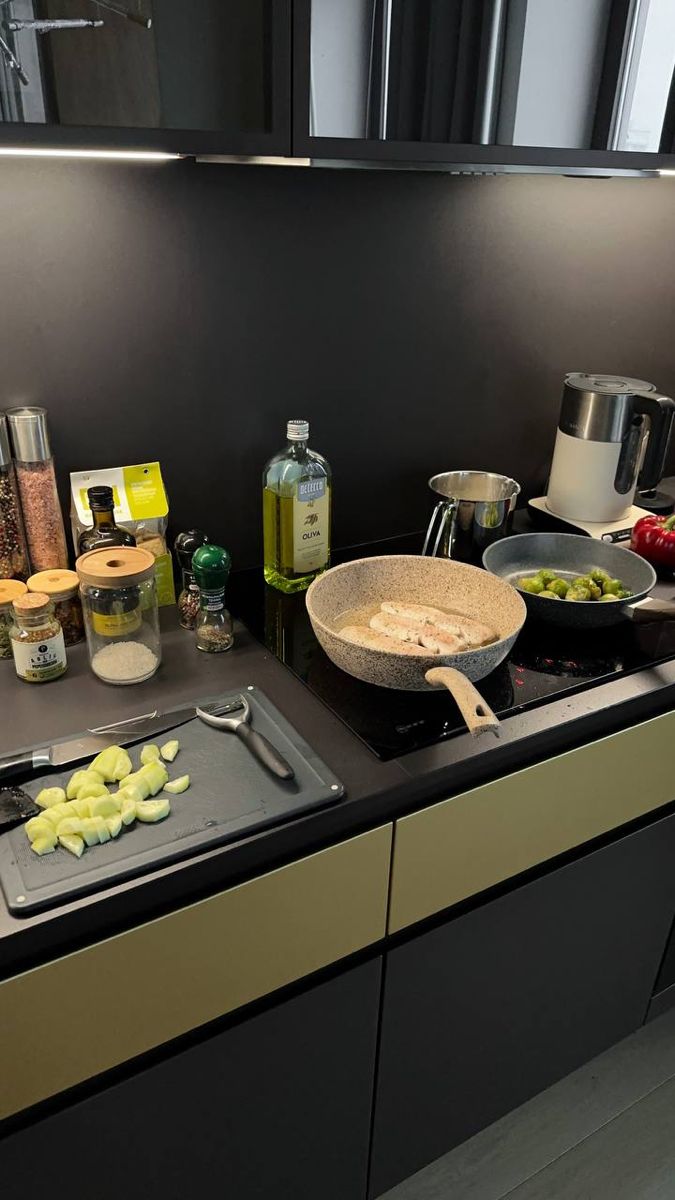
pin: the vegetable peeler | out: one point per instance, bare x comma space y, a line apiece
240, 723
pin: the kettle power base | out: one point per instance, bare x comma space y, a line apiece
605, 531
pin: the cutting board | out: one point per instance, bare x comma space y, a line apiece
230, 795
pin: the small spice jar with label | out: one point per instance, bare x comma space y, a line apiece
10, 590
37, 639
63, 589
213, 629
121, 620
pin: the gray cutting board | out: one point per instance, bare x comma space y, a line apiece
230, 795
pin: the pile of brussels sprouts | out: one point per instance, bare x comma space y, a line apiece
596, 585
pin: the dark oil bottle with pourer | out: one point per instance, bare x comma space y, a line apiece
105, 530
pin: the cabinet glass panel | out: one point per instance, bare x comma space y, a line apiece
153, 64
579, 74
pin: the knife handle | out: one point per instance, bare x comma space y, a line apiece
16, 764
265, 752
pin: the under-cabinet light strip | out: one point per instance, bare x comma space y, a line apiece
115, 155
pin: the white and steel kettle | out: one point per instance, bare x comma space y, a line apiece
612, 437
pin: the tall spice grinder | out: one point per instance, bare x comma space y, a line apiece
188, 599
13, 549
213, 630
37, 488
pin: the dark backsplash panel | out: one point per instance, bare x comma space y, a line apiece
421, 321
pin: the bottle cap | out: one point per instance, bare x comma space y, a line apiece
30, 436
31, 604
211, 566
57, 584
100, 498
10, 590
186, 544
297, 430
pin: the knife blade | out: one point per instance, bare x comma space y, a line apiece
122, 733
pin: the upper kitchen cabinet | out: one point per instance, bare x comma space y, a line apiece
192, 76
514, 83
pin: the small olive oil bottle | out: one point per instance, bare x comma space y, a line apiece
296, 513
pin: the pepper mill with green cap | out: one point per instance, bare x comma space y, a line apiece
211, 568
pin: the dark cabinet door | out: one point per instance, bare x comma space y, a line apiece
197, 77
276, 1108
532, 82
485, 1011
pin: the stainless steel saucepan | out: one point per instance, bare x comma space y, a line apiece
351, 593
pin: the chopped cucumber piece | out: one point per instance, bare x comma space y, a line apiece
69, 825
139, 782
90, 831
176, 786
170, 750
128, 813
49, 796
43, 845
114, 824
58, 812
156, 775
71, 841
78, 781
82, 807
113, 764
149, 754
101, 829
89, 790
153, 810
38, 827
105, 806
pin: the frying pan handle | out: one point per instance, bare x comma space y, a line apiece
448, 514
652, 609
478, 715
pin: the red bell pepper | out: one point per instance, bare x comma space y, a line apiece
654, 538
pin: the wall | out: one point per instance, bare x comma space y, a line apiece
421, 321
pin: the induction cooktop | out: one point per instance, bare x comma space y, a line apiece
544, 663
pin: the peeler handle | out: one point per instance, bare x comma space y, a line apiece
265, 752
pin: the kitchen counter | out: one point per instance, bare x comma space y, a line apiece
376, 791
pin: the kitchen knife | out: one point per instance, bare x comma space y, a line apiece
120, 734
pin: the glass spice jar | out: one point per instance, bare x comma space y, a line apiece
37, 488
63, 589
13, 550
213, 630
37, 639
121, 619
10, 590
188, 600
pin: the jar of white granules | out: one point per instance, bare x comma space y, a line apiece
121, 620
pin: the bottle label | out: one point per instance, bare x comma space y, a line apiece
37, 662
311, 521
212, 599
116, 624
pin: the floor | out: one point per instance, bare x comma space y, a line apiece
606, 1132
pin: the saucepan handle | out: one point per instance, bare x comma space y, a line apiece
478, 715
445, 512
652, 609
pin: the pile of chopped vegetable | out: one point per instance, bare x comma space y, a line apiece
596, 585
87, 813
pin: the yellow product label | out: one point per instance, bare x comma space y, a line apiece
144, 490
311, 526
116, 624
166, 593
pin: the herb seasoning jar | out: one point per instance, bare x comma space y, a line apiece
37, 639
121, 620
63, 589
13, 550
213, 630
188, 600
10, 590
37, 488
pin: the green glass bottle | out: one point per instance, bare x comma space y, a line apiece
296, 513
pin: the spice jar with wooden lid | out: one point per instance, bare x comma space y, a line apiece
63, 589
37, 639
37, 487
121, 620
10, 590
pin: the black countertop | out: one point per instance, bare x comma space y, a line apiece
376, 791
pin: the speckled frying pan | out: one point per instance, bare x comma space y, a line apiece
572, 554
350, 594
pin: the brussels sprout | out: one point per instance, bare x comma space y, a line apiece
531, 584
560, 587
612, 587
608, 596
548, 595
577, 592
598, 575
624, 594
545, 575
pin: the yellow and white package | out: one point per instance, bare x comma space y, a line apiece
141, 506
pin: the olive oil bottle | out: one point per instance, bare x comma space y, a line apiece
296, 513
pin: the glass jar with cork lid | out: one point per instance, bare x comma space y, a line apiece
37, 639
121, 620
10, 590
63, 589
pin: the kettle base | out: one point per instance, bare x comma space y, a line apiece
605, 531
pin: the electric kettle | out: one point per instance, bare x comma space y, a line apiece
612, 437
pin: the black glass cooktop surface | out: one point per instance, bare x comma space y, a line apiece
544, 663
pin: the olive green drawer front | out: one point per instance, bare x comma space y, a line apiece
468, 843
71, 1019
